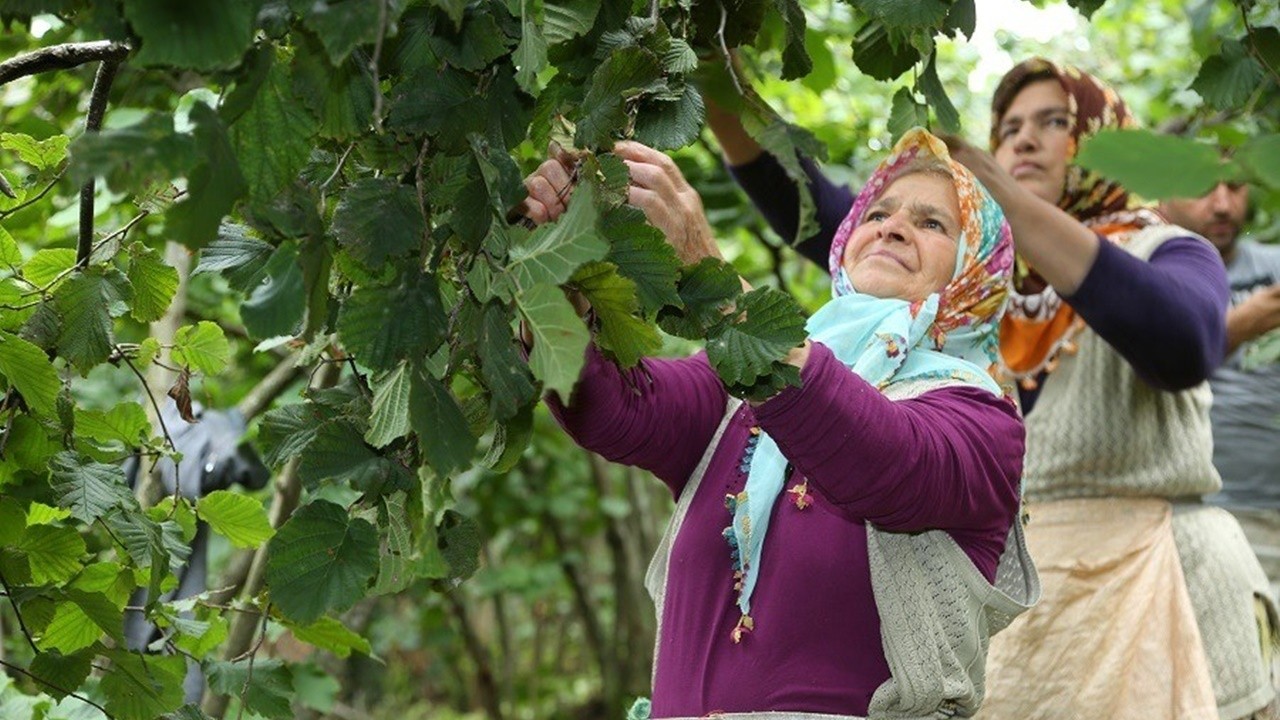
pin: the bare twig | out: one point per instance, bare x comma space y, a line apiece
28, 203
21, 624
253, 654
266, 391
373, 66
60, 57
724, 49
8, 423
177, 481
62, 690
338, 168
97, 109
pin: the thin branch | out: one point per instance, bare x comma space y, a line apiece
21, 624
62, 690
177, 480
120, 233
27, 203
97, 109
8, 423
60, 57
1253, 45
266, 391
373, 66
724, 49
338, 169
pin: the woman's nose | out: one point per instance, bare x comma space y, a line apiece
895, 227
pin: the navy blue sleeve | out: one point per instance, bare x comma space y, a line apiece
1165, 316
775, 195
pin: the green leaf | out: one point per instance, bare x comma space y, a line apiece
510, 440
396, 564
87, 302
377, 219
642, 255
1266, 42
125, 424
274, 137
963, 17
239, 518
40, 514
390, 418
626, 74
53, 554
47, 264
133, 157
338, 455
237, 255
139, 688
154, 283
344, 25
879, 56
795, 58
200, 637
744, 350
10, 253
29, 369
1153, 165
906, 113
442, 430
87, 488
479, 41
383, 326
342, 96
213, 187
1262, 155
505, 374
1086, 7
202, 347
559, 337
330, 634
286, 432
276, 304
563, 21
671, 125
459, 542
786, 142
530, 55
900, 14
622, 335
70, 630
937, 98
39, 154
108, 579
705, 290
200, 36
321, 560
1228, 79
60, 673
555, 250
269, 685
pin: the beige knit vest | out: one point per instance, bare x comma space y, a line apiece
937, 612
1097, 430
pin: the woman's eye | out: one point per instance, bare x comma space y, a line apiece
876, 216
934, 225
1059, 122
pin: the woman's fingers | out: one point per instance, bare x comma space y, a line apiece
544, 193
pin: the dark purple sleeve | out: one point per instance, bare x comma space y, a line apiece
949, 459
660, 418
1165, 316
775, 195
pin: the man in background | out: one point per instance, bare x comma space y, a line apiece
1246, 400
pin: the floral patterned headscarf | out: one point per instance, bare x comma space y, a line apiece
949, 337
1038, 325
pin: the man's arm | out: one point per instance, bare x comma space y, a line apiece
1256, 316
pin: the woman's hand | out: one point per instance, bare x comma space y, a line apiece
669, 203
1057, 245
549, 186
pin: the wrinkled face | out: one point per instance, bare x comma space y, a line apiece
1218, 216
905, 246
1035, 139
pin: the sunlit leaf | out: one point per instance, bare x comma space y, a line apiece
202, 347
330, 634
39, 154
553, 251
86, 303
622, 334
154, 283
238, 518
28, 369
559, 337
53, 554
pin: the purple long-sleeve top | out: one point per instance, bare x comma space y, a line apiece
1165, 316
948, 459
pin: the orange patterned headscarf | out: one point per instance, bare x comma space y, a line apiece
1038, 325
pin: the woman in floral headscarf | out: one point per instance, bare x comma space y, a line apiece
834, 548
1154, 606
